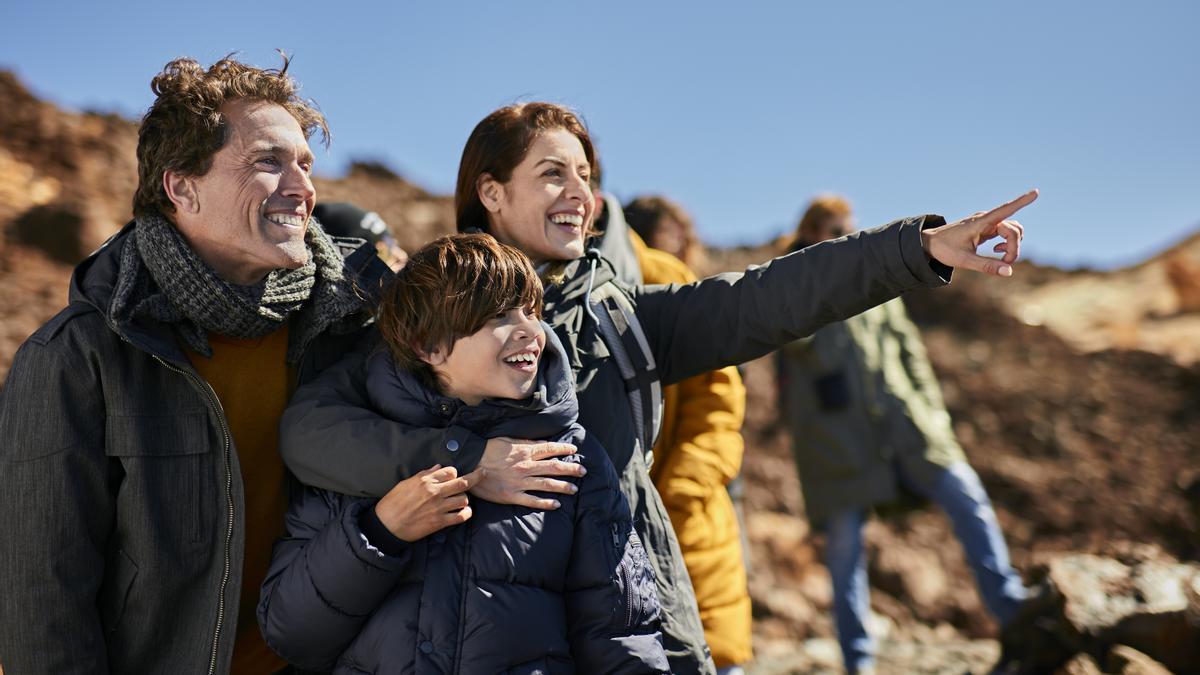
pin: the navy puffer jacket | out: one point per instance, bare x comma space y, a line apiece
513, 590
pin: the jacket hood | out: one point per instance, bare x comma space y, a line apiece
550, 411
613, 242
94, 279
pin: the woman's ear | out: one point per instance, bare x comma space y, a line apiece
491, 192
181, 190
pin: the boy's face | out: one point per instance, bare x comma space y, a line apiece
499, 360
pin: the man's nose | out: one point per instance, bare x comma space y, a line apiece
297, 183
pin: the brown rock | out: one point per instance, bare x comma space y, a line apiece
1082, 664
1129, 661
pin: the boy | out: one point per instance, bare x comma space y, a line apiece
427, 579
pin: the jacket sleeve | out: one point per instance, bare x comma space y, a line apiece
612, 604
733, 318
56, 511
325, 580
332, 413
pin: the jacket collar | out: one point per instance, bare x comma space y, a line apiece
94, 281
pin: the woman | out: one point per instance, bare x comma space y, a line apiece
524, 179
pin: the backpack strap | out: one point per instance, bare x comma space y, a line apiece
626, 340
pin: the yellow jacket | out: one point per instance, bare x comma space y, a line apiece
698, 452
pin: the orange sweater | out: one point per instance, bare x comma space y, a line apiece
253, 382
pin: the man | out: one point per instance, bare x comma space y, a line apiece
867, 420
140, 484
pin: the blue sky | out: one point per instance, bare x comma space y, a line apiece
741, 111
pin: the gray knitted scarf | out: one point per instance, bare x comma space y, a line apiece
162, 279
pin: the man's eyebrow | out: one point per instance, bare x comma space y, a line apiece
271, 148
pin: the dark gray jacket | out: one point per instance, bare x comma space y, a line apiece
693, 328
121, 496
513, 590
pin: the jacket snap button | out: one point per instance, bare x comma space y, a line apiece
439, 538
452, 445
427, 647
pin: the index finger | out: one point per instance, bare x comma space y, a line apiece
1005, 210
460, 484
542, 450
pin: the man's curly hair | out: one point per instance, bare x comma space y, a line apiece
185, 127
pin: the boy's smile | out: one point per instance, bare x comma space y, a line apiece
499, 360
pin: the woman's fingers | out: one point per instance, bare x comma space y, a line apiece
1012, 240
548, 485
1007, 209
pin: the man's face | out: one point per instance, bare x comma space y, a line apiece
253, 205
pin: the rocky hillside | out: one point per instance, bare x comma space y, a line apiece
1074, 393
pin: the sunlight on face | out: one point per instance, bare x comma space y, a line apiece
546, 205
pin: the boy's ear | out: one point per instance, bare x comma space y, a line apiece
491, 192
434, 358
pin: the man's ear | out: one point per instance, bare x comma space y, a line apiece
181, 190
491, 192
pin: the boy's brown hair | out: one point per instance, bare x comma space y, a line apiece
448, 290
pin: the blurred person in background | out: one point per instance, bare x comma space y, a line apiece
699, 451
868, 425
666, 226
343, 219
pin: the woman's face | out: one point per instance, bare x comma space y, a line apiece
546, 205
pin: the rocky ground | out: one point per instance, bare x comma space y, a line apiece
1075, 394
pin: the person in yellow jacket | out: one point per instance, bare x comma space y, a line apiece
698, 453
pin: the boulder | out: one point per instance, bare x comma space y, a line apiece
1092, 604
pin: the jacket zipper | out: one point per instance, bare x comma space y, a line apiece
628, 579
220, 411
